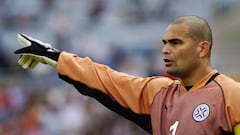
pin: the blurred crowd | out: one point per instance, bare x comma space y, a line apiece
123, 34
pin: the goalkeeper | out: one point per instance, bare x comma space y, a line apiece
201, 102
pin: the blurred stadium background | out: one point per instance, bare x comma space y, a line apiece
124, 34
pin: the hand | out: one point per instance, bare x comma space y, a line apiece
36, 52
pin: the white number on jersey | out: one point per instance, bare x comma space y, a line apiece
173, 128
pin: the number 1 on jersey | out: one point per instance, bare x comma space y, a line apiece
173, 128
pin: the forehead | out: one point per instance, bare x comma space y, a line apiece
176, 31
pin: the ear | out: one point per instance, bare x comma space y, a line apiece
204, 48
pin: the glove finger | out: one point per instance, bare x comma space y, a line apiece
23, 39
28, 63
34, 41
23, 59
24, 50
20, 59
33, 64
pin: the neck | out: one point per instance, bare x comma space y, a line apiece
195, 76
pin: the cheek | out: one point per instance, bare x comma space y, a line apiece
186, 58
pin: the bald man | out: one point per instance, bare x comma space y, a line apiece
200, 102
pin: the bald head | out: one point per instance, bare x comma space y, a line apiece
199, 28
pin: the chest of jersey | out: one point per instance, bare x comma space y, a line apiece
200, 112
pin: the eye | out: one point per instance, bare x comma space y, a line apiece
175, 41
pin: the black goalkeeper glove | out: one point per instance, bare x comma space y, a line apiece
36, 52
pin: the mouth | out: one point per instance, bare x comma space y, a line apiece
167, 62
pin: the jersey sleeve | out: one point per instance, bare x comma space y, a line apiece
231, 90
135, 93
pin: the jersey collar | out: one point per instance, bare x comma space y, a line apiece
204, 81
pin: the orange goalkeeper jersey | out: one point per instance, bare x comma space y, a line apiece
159, 105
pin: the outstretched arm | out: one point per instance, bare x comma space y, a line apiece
129, 91
124, 94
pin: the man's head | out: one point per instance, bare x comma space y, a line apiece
187, 46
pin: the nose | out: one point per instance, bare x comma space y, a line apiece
165, 49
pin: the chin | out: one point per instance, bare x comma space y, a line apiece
172, 72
